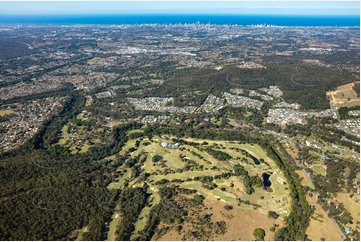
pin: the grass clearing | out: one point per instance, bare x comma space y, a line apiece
240, 223
303, 178
6, 112
64, 135
319, 169
78, 139
81, 232
352, 204
113, 226
321, 226
120, 184
135, 131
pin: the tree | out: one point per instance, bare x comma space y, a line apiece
273, 214
161, 182
259, 234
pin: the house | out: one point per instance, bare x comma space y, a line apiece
334, 201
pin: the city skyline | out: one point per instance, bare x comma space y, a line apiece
332, 8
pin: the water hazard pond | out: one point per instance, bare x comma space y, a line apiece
266, 182
255, 160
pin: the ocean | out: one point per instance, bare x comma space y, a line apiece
183, 19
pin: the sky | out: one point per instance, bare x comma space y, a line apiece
344, 8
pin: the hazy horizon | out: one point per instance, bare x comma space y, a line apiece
317, 8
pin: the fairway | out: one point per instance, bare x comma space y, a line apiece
139, 225
183, 166
113, 226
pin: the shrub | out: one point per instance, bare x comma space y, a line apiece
259, 234
161, 182
228, 207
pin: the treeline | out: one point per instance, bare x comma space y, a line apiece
335, 180
356, 88
118, 139
46, 194
247, 181
51, 130
203, 133
298, 219
131, 203
343, 111
256, 117
219, 155
341, 176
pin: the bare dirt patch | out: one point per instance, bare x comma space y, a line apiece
344, 96
321, 226
250, 65
292, 150
240, 223
303, 178
316, 62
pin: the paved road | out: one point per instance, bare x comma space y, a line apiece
308, 178
338, 229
